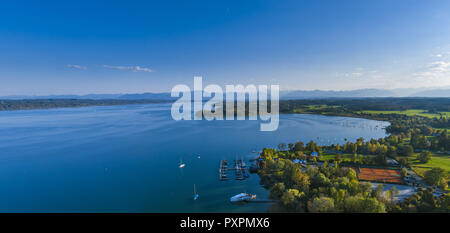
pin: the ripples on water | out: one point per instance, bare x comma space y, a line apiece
125, 158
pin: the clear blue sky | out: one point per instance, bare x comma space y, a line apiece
79, 47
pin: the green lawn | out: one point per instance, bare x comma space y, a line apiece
312, 107
437, 160
448, 130
410, 112
321, 106
328, 156
344, 157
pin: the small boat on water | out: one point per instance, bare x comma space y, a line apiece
181, 164
242, 197
195, 194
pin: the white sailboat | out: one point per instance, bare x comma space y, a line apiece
181, 164
195, 193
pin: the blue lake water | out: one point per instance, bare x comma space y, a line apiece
126, 158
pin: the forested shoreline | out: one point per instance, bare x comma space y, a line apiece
28, 104
306, 177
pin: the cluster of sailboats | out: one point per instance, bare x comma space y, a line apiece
241, 197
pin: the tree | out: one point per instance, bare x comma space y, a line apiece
390, 194
354, 157
419, 141
404, 172
378, 192
365, 188
424, 157
392, 151
277, 191
435, 176
403, 161
291, 146
359, 204
405, 150
299, 146
443, 184
381, 159
290, 197
354, 148
337, 157
312, 146
445, 203
321, 205
320, 180
351, 174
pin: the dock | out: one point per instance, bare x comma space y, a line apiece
223, 170
239, 168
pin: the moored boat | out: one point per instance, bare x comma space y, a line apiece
242, 197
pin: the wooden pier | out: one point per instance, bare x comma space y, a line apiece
239, 168
223, 170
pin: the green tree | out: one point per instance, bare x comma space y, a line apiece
404, 172
291, 146
321, 205
405, 150
445, 203
320, 180
365, 188
354, 157
277, 191
378, 192
435, 176
359, 204
290, 197
403, 161
299, 146
392, 151
424, 157
392, 193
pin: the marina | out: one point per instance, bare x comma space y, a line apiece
223, 170
239, 168
120, 163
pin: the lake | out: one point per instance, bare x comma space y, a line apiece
126, 158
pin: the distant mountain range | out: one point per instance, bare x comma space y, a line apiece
316, 94
300, 94
361, 93
89, 96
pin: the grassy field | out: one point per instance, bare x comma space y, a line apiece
344, 157
333, 156
313, 108
410, 112
321, 106
437, 160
